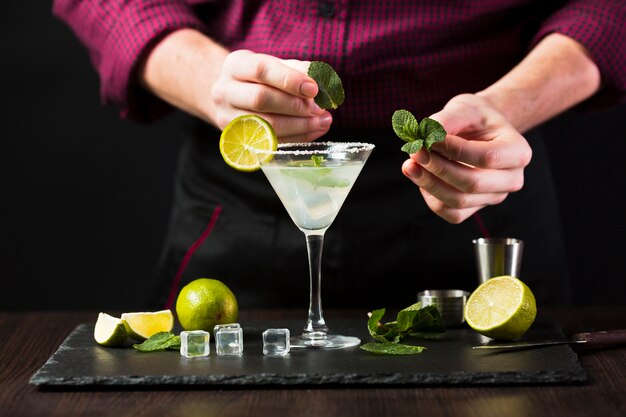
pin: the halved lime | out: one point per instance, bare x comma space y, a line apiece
143, 325
110, 331
501, 308
242, 134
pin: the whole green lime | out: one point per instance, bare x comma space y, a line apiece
205, 302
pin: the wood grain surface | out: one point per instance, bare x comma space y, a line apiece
28, 340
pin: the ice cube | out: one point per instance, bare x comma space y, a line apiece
319, 205
229, 340
195, 343
276, 342
224, 326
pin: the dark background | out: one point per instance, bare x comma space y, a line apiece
85, 195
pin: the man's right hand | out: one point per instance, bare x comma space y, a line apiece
197, 75
275, 89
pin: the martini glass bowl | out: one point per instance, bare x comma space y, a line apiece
312, 180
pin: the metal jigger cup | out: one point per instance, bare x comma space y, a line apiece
498, 256
450, 303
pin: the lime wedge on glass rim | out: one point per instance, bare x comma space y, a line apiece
242, 134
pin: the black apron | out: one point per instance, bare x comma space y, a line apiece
384, 246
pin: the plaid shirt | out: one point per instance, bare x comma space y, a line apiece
390, 54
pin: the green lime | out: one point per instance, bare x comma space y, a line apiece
143, 325
205, 302
242, 134
110, 331
501, 308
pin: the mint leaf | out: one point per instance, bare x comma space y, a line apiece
159, 342
412, 147
317, 160
320, 177
374, 320
331, 94
389, 348
392, 334
414, 319
431, 131
407, 316
417, 319
405, 125
380, 332
417, 135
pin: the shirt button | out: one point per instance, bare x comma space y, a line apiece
326, 9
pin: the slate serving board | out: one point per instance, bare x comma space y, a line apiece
449, 360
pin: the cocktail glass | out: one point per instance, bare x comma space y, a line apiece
313, 180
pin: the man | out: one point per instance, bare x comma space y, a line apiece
488, 71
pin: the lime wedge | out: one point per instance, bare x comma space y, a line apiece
143, 325
242, 134
501, 308
110, 331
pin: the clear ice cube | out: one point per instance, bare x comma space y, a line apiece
224, 326
276, 342
195, 343
229, 340
319, 205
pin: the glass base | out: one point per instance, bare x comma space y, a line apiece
329, 341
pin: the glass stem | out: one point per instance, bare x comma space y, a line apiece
316, 326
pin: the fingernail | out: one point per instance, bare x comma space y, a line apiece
308, 89
326, 120
411, 169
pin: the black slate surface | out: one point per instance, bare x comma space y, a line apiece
80, 362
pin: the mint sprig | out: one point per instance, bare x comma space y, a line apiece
417, 135
414, 320
317, 160
319, 178
330, 94
159, 342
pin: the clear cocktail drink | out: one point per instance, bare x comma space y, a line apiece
313, 195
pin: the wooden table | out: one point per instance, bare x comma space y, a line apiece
28, 339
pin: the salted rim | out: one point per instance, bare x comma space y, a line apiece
350, 147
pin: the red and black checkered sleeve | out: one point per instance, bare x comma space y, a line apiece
599, 25
118, 34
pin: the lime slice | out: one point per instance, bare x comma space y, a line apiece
143, 325
110, 331
242, 134
501, 308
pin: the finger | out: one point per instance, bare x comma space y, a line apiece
264, 99
305, 128
308, 137
449, 214
448, 195
462, 114
302, 66
265, 69
479, 135
503, 151
469, 179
